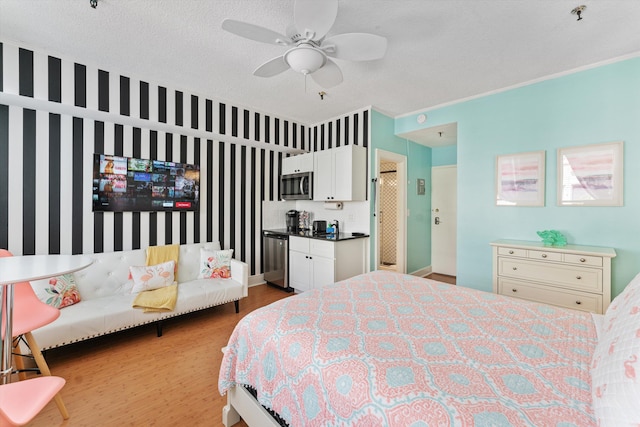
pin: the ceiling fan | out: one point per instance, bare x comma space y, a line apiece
309, 52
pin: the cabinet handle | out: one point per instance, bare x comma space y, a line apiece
578, 302
514, 290
515, 268
582, 260
510, 252
578, 277
544, 255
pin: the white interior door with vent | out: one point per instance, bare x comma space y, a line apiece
444, 219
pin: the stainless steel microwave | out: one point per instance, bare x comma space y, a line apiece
297, 186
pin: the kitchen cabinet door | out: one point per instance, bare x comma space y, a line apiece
300, 271
297, 164
323, 271
323, 176
340, 174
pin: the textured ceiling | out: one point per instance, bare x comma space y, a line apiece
438, 51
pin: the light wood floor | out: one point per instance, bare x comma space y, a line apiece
133, 378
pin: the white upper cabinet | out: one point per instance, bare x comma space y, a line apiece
340, 174
297, 164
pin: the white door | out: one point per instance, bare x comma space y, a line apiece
443, 219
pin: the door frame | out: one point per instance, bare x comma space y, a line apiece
401, 205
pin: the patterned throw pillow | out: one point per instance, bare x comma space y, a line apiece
149, 277
215, 264
615, 368
62, 291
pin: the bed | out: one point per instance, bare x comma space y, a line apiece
389, 349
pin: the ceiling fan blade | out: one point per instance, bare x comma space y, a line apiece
355, 46
272, 67
315, 15
255, 32
328, 76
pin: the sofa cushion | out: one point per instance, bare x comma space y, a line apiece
61, 291
108, 274
215, 264
150, 277
189, 261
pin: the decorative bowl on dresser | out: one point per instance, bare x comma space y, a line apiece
571, 276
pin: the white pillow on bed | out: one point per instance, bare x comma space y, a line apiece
615, 368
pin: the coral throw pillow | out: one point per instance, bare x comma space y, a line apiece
215, 264
149, 277
62, 291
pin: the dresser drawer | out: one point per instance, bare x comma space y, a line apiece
574, 276
567, 276
545, 294
512, 252
595, 261
545, 256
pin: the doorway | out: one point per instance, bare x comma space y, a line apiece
444, 219
390, 211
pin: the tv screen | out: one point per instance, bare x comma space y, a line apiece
123, 184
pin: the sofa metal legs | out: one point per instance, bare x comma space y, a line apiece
237, 304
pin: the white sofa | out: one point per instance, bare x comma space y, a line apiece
106, 298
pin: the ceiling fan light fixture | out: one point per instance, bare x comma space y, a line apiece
305, 58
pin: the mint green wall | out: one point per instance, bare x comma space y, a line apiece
444, 156
589, 107
418, 166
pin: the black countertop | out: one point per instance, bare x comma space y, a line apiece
309, 235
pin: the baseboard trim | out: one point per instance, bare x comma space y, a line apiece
256, 280
422, 272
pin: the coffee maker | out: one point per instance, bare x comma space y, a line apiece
292, 221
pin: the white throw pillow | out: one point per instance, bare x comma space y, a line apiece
615, 368
215, 264
148, 277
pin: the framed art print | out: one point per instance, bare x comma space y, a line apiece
520, 179
591, 175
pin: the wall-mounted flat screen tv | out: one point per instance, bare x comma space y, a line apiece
126, 184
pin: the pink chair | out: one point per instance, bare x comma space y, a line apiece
30, 313
20, 402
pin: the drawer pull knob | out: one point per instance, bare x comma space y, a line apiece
510, 252
578, 277
514, 290
515, 268
578, 302
582, 260
544, 255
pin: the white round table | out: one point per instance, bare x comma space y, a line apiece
18, 269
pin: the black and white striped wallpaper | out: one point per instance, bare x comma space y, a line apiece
46, 158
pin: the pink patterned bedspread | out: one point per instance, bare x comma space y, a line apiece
387, 349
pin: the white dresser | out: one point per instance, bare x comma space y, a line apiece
572, 276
